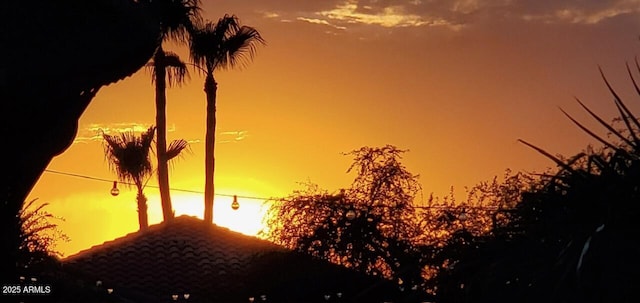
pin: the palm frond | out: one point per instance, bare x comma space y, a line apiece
206, 44
150, 67
202, 45
177, 72
592, 134
242, 46
605, 124
625, 114
147, 138
176, 147
225, 27
550, 156
635, 84
129, 155
177, 18
618, 100
224, 44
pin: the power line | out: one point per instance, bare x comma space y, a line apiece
254, 197
153, 186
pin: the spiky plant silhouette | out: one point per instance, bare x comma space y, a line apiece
592, 206
572, 238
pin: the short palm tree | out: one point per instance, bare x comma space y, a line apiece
176, 18
129, 156
225, 44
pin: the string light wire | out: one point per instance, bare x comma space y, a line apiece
152, 186
251, 197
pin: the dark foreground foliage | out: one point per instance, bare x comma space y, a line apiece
38, 237
572, 238
567, 235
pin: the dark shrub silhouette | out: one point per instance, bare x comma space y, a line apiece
572, 238
370, 227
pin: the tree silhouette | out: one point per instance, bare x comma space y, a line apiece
38, 235
225, 44
457, 234
176, 19
130, 157
370, 227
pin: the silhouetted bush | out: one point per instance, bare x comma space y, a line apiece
572, 238
369, 227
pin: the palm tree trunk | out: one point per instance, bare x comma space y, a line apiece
143, 218
161, 124
210, 89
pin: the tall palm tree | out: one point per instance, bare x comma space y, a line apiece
165, 65
176, 18
225, 44
129, 156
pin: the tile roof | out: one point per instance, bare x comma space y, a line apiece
214, 264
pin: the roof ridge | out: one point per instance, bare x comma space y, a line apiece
213, 263
184, 220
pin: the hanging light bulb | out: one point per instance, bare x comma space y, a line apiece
235, 205
114, 190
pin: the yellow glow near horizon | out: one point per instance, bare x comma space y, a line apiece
247, 219
457, 99
114, 217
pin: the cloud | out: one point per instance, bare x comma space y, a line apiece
451, 14
342, 14
320, 21
232, 136
390, 16
270, 15
579, 13
93, 132
550, 11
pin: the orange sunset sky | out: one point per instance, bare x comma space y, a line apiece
455, 82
